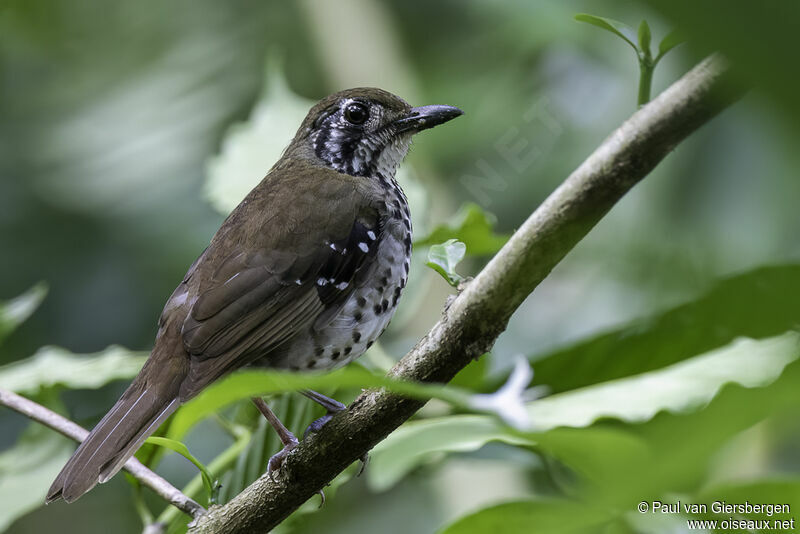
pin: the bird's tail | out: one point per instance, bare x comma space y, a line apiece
136, 415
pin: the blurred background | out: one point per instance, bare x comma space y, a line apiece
127, 130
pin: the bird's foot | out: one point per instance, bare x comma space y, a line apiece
276, 460
333, 407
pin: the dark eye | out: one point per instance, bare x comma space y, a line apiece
356, 113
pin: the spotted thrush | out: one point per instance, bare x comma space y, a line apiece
304, 274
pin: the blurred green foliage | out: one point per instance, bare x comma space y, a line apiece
129, 130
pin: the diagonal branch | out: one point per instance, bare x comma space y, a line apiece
480, 313
64, 426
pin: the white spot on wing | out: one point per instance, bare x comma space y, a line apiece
363, 247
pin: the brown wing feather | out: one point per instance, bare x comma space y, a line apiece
261, 294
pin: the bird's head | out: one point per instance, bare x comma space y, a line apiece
364, 131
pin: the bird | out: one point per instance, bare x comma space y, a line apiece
304, 274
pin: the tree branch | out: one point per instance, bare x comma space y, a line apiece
480, 313
64, 426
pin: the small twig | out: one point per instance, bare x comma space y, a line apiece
64, 426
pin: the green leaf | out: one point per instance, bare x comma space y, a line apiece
417, 442
473, 227
644, 38
443, 259
209, 481
553, 516
713, 320
681, 388
15, 311
172, 516
249, 149
53, 365
247, 383
614, 26
27, 469
670, 41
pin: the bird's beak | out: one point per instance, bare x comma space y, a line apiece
425, 117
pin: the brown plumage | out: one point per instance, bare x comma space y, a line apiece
304, 273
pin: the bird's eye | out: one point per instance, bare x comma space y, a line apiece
356, 113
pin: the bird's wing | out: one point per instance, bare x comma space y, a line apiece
258, 297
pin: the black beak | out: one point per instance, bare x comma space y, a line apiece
425, 117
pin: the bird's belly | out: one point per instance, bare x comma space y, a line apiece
362, 319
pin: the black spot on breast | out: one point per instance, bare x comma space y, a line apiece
377, 309
348, 350
396, 296
405, 267
361, 301
384, 281
335, 355
369, 343
310, 364
384, 305
319, 351
356, 336
357, 316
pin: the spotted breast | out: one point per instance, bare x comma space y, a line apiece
369, 308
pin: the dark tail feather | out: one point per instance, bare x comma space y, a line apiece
136, 415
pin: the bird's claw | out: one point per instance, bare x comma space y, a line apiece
317, 425
276, 460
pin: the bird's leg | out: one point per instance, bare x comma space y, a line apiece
287, 438
332, 407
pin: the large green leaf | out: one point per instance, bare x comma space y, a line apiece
473, 227
679, 446
620, 465
56, 366
419, 442
250, 149
245, 384
681, 388
756, 304
15, 311
27, 469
